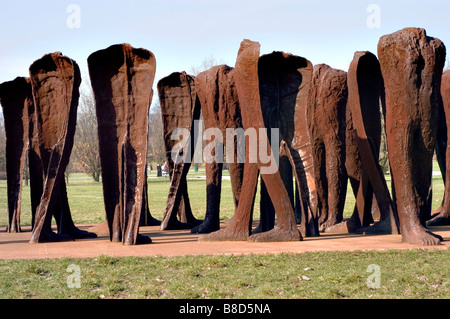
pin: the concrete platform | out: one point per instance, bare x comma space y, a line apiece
182, 242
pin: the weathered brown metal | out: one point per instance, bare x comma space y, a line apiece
252, 73
326, 123
122, 79
35, 168
366, 91
217, 93
442, 216
180, 109
16, 100
285, 84
55, 80
411, 64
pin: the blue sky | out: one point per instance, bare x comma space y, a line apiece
183, 33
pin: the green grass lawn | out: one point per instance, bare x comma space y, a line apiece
404, 274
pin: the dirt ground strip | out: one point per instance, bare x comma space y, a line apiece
182, 242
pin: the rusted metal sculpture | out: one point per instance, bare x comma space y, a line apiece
260, 81
366, 91
122, 79
55, 80
411, 64
16, 100
180, 109
20, 121
326, 122
288, 112
35, 168
146, 217
442, 216
217, 93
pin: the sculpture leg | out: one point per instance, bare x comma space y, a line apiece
266, 211
36, 181
122, 79
15, 160
301, 153
239, 228
286, 227
302, 161
284, 69
140, 74
443, 216
236, 171
255, 86
220, 108
337, 182
34, 164
134, 188
50, 201
112, 179
104, 66
213, 190
366, 89
187, 214
15, 97
326, 124
177, 194
56, 101
318, 148
180, 110
412, 64
411, 229
65, 223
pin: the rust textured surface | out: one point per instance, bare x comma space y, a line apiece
326, 123
411, 64
251, 74
146, 217
219, 101
122, 79
442, 216
285, 81
16, 100
180, 110
55, 80
35, 168
366, 91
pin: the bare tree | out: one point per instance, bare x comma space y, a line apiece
206, 64
86, 150
156, 150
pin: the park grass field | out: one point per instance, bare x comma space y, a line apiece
412, 274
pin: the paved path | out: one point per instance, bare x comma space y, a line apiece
177, 243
